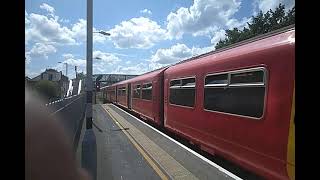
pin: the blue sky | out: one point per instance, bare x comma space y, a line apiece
145, 34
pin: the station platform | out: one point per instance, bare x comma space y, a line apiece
128, 148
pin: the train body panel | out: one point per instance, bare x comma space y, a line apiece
111, 93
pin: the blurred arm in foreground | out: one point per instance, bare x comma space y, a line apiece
48, 154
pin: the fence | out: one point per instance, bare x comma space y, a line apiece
70, 112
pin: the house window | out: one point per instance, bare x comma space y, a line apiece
50, 77
182, 92
137, 91
240, 93
147, 91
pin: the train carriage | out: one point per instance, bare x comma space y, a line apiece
238, 103
147, 96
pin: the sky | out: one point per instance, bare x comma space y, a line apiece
145, 35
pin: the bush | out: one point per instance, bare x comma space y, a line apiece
47, 89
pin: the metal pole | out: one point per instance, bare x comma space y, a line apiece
67, 69
75, 69
89, 65
89, 144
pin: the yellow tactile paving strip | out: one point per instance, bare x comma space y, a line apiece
167, 163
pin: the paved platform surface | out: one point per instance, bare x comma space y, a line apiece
128, 148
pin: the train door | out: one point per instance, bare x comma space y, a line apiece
116, 94
165, 99
155, 101
129, 99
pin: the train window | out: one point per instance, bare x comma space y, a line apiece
147, 91
137, 91
182, 92
175, 83
119, 92
216, 80
244, 95
188, 83
253, 77
122, 91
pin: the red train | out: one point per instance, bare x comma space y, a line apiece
237, 102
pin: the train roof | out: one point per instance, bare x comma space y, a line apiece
241, 43
275, 38
142, 77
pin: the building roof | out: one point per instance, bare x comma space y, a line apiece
37, 78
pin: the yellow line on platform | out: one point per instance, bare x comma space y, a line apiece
142, 152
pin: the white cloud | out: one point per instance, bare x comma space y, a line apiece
48, 8
266, 5
217, 36
146, 11
64, 20
203, 17
171, 55
42, 28
175, 54
137, 33
26, 20
99, 65
67, 56
79, 30
108, 58
99, 38
240, 24
47, 29
28, 58
132, 70
76, 62
40, 49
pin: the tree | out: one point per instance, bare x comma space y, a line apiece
260, 24
81, 76
47, 89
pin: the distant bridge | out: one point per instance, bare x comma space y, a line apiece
108, 79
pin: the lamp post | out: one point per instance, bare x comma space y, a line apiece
103, 33
66, 67
89, 81
89, 154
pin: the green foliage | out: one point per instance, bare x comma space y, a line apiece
81, 76
47, 89
260, 24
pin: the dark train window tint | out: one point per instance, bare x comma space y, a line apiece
182, 92
121, 91
217, 80
137, 91
124, 91
147, 91
186, 83
175, 84
247, 98
247, 77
